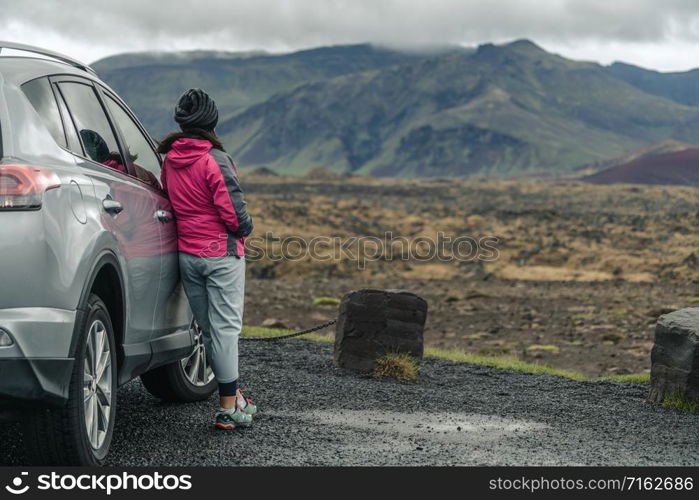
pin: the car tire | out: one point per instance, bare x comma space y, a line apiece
81, 432
185, 381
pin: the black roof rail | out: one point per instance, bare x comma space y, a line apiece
49, 53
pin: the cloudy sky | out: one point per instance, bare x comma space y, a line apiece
658, 34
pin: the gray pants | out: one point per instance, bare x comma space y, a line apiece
215, 287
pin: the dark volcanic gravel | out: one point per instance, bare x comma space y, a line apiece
315, 414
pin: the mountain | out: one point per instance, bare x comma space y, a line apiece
682, 87
673, 167
152, 82
508, 109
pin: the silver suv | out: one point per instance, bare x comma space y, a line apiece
90, 295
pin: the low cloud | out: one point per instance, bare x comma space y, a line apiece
94, 29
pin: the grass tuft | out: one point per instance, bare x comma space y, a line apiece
399, 366
260, 331
501, 363
680, 403
320, 337
458, 356
326, 301
630, 378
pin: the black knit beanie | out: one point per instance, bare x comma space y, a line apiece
195, 109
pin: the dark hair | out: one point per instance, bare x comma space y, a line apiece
165, 145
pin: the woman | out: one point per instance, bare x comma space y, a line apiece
201, 181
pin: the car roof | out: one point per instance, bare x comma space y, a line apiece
20, 69
17, 70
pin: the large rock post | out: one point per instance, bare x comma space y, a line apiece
372, 323
675, 356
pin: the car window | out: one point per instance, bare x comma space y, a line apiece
69, 127
145, 161
41, 96
92, 123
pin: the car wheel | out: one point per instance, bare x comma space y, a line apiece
190, 379
81, 432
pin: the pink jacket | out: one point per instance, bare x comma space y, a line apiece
202, 184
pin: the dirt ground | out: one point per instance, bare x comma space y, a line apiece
596, 328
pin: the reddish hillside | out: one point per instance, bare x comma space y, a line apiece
677, 167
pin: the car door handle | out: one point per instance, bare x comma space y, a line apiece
163, 216
112, 206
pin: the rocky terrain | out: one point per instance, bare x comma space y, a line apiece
580, 276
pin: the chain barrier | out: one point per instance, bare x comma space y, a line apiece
290, 335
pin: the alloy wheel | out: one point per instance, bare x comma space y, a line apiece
196, 367
97, 384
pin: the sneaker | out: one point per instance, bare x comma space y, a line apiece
228, 420
250, 408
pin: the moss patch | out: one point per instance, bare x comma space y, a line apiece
614, 338
399, 366
545, 348
326, 301
618, 313
680, 403
497, 347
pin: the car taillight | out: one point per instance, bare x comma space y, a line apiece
22, 186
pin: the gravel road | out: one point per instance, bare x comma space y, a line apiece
316, 414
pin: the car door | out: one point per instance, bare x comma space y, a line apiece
170, 336
128, 209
